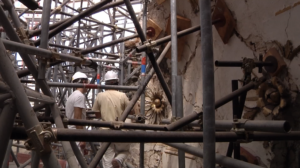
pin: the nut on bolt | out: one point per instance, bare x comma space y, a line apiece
47, 136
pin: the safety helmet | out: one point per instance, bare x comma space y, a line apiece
79, 75
111, 75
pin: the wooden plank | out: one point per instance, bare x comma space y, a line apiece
156, 30
160, 1
225, 28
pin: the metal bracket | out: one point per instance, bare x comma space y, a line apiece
237, 127
114, 28
77, 53
248, 65
57, 9
117, 124
150, 44
55, 55
200, 121
40, 138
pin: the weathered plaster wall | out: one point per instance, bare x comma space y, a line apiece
259, 25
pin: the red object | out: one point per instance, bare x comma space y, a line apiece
150, 31
143, 61
90, 86
98, 76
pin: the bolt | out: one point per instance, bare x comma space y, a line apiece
47, 136
27, 145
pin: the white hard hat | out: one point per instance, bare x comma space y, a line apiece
111, 75
79, 75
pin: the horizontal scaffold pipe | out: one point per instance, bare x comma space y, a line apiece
109, 124
220, 159
179, 34
195, 115
248, 125
240, 63
113, 61
100, 6
120, 40
163, 136
23, 48
31, 94
25, 72
83, 85
73, 48
74, 19
33, 33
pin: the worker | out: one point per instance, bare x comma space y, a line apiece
110, 104
75, 106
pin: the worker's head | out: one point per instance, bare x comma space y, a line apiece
111, 78
80, 77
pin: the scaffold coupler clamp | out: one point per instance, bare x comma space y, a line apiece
238, 128
77, 53
23, 36
247, 66
57, 9
39, 138
117, 124
150, 44
200, 121
55, 56
114, 28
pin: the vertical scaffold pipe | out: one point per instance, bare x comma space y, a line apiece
208, 85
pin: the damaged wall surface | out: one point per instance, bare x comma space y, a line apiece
260, 25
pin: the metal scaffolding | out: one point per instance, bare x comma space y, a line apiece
43, 46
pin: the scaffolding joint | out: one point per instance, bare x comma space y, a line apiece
57, 10
248, 65
77, 53
55, 56
150, 44
238, 126
117, 124
40, 138
23, 36
114, 28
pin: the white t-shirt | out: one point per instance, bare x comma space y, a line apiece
76, 99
